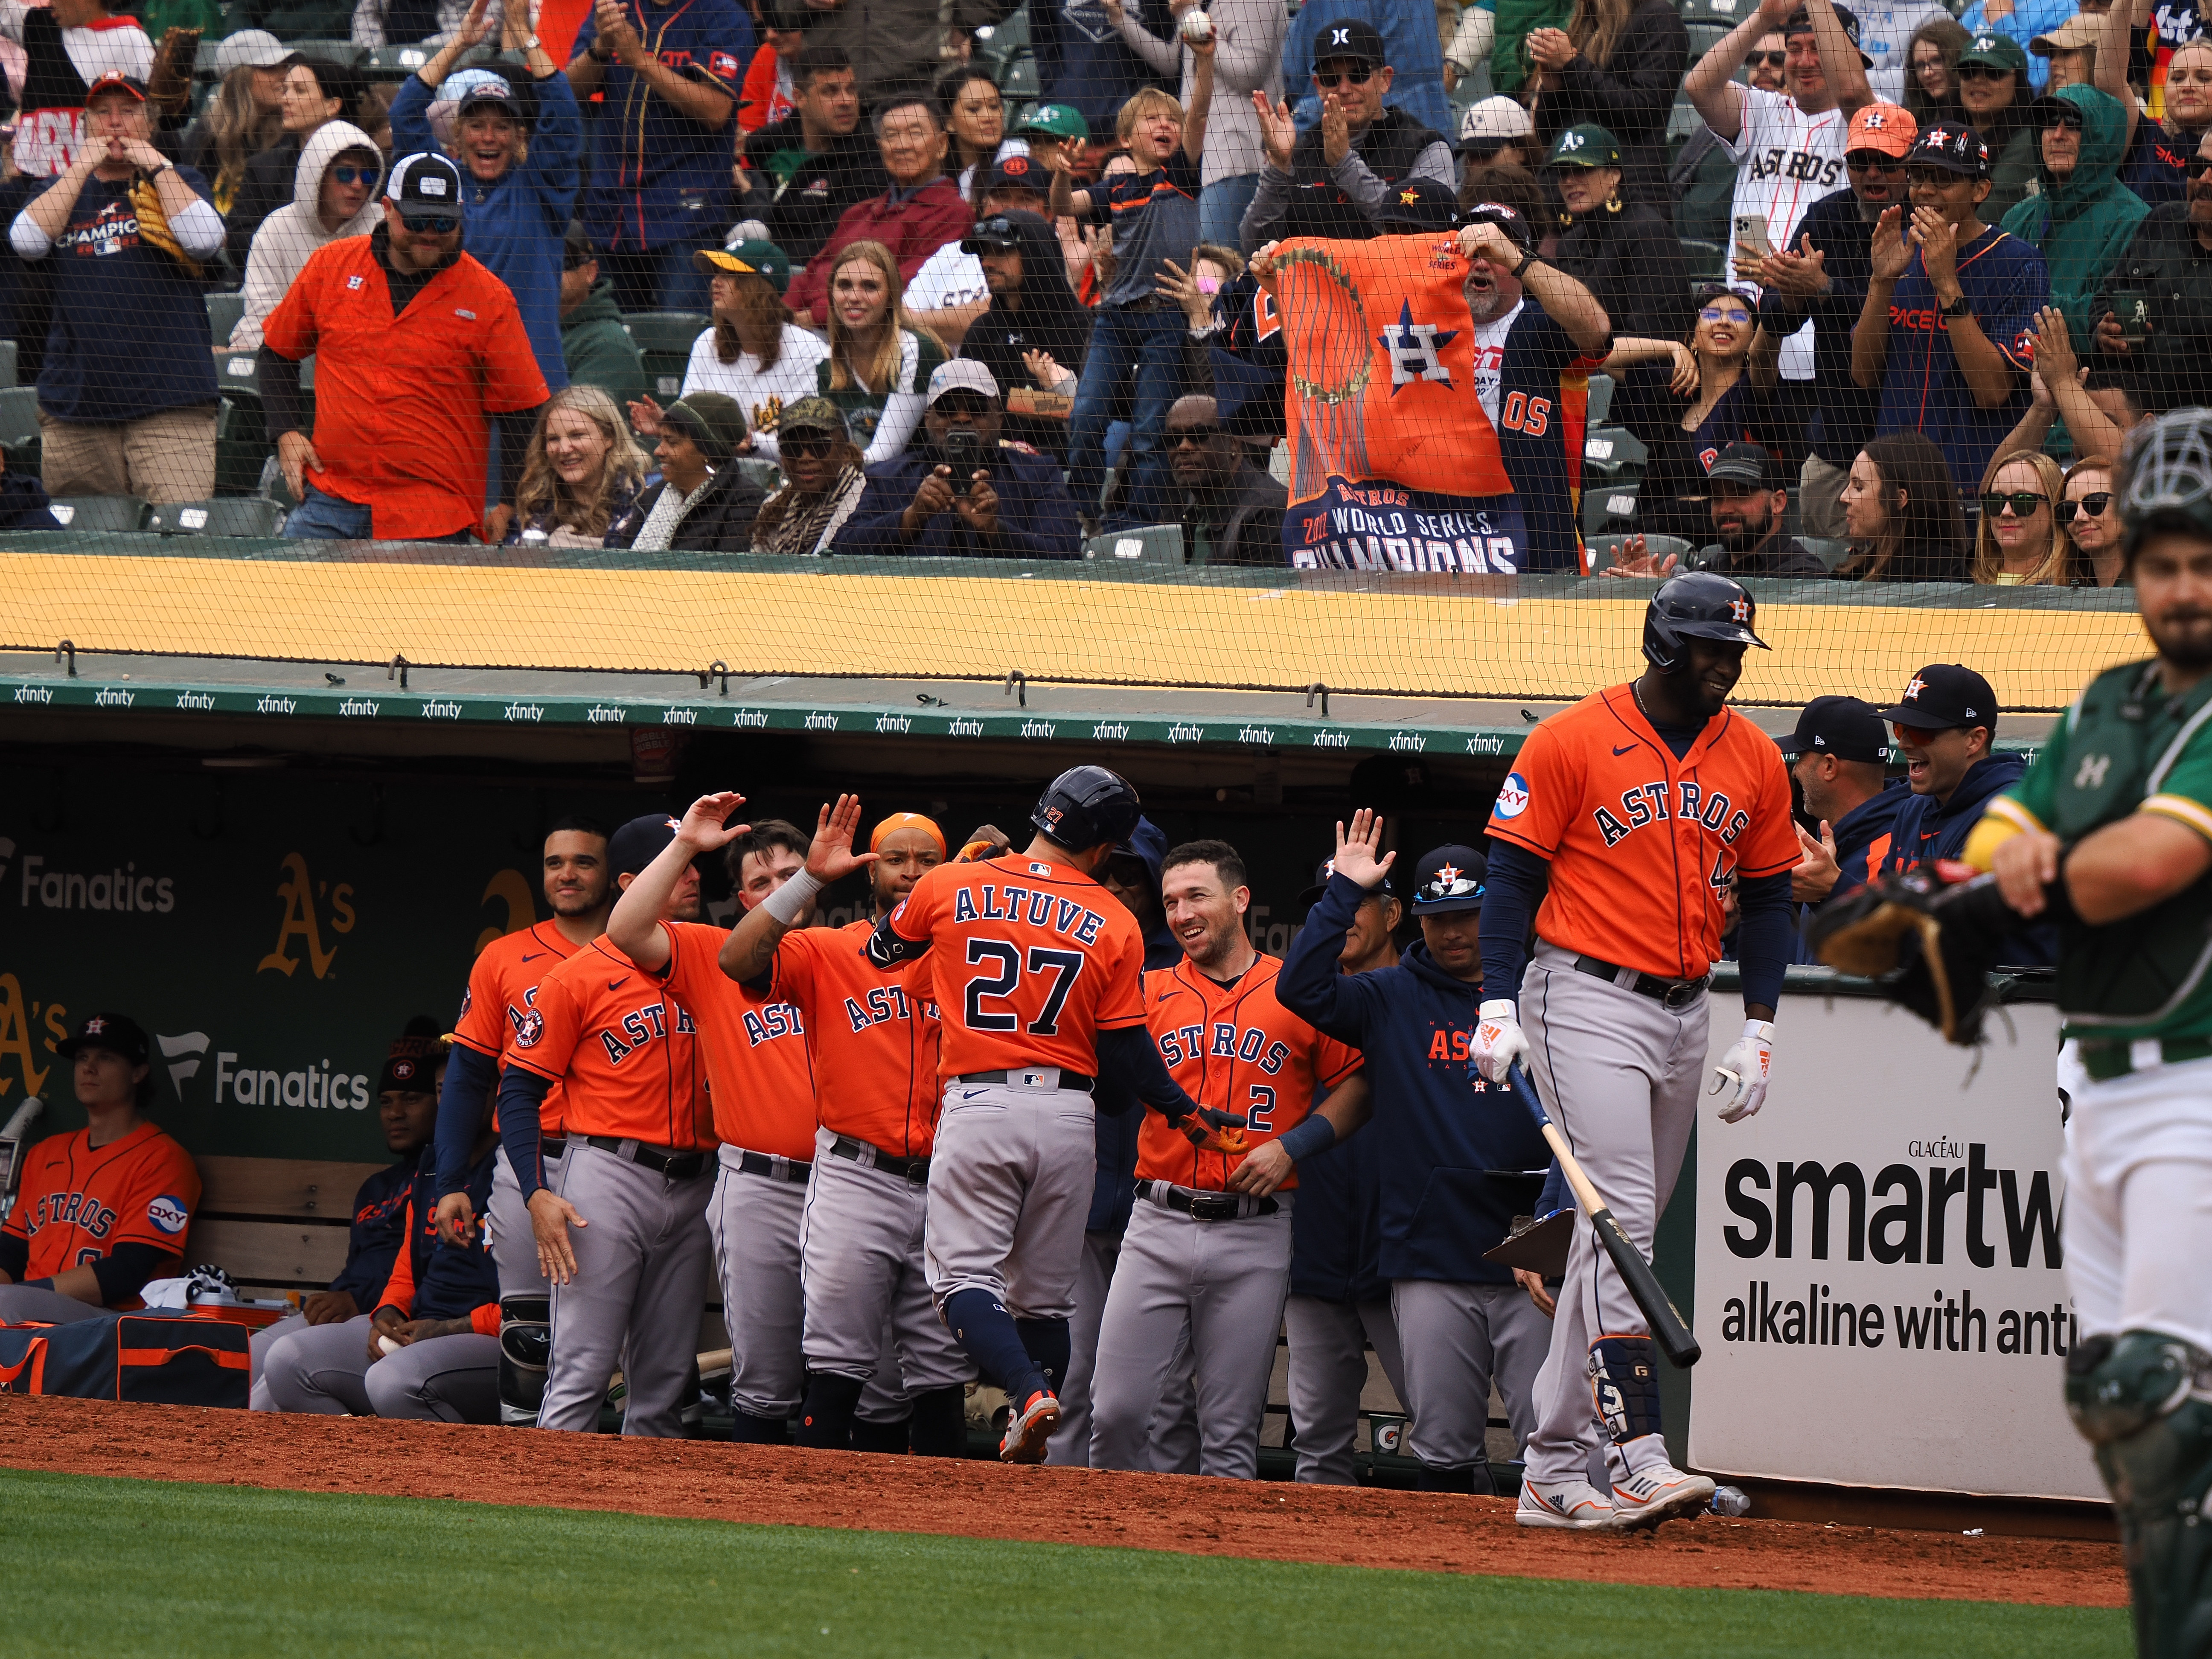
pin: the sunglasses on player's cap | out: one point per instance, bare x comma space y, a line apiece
1449, 878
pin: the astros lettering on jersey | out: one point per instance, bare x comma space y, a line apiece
627, 1049
756, 1046
1641, 844
874, 1046
78, 1202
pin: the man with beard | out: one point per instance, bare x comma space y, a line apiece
1032, 310
1748, 503
800, 174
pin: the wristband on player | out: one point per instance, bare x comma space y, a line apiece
789, 902
1315, 1134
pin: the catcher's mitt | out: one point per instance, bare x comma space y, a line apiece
1930, 935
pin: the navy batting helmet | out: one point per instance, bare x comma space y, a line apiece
1086, 805
1699, 605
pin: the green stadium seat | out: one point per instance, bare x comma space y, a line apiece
227, 515
1600, 400
1149, 544
1607, 507
761, 472
20, 441
997, 44
223, 312
101, 513
1708, 260
1831, 550
664, 340
1612, 454
1022, 79
7, 363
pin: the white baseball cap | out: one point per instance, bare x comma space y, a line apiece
963, 375
1494, 121
249, 48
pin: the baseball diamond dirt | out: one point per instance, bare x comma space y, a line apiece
1264, 1520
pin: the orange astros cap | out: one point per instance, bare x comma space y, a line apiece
1885, 127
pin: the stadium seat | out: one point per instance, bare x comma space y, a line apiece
1152, 543
1708, 260
1613, 455
761, 472
1832, 551
19, 428
1022, 80
345, 53
227, 515
101, 513
7, 363
664, 340
1600, 400
997, 45
396, 63
1608, 507
223, 312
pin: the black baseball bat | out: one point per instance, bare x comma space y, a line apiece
1669, 1329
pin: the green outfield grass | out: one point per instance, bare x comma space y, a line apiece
104, 1567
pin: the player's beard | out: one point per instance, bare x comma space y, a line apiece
1209, 951
580, 901
2184, 638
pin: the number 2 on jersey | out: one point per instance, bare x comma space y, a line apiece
1063, 965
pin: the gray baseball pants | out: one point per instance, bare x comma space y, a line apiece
513, 1245
1221, 1282
1174, 1433
1456, 1339
860, 1245
1620, 1073
1010, 1185
325, 1370
643, 1267
35, 1305
1327, 1376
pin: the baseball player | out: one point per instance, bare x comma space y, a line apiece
502, 987
1445, 1135
100, 1210
1206, 1260
1340, 1302
764, 1111
874, 1050
1037, 977
2110, 837
624, 1240
1642, 803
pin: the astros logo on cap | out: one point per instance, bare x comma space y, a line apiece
95, 1026
1873, 121
1407, 198
1913, 691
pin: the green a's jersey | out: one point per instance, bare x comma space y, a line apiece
2125, 747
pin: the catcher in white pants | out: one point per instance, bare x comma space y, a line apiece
1645, 800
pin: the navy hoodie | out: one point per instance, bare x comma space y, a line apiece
379, 1219
1445, 1139
1336, 1226
1924, 831
1862, 835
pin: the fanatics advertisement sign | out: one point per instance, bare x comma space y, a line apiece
1880, 1285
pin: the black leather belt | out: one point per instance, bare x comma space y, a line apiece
1074, 1080
775, 1169
1208, 1206
1670, 992
915, 1170
556, 1146
674, 1166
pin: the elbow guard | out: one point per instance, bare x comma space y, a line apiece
887, 949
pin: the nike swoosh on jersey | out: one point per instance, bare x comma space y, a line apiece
1624, 750
532, 956
616, 984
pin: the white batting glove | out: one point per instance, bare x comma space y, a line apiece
1499, 1041
1745, 1068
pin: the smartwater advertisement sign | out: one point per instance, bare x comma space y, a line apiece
1881, 1285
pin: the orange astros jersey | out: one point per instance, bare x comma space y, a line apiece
1031, 960
1235, 1047
502, 986
78, 1202
1641, 844
762, 1076
874, 1047
627, 1050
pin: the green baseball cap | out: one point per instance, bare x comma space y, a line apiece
751, 258
1586, 146
1995, 52
1060, 120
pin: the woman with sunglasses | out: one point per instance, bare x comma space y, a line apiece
1993, 91
334, 195
1618, 64
823, 484
2083, 218
1931, 74
2020, 542
1723, 407
2089, 516
1901, 515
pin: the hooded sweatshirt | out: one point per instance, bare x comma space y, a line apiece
1450, 1146
1925, 831
1050, 318
287, 236
2083, 224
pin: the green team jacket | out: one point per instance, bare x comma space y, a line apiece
2125, 747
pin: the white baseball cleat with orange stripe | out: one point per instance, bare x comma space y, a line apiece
1569, 1505
1658, 1493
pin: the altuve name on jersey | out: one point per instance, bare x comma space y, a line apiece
1647, 804
1188, 1042
1070, 916
641, 1026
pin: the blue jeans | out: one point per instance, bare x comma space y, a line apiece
1221, 207
333, 519
1132, 372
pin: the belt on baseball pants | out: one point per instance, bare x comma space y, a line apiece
675, 1166
2106, 1059
1669, 993
1208, 1207
775, 1169
553, 1146
1034, 1077
915, 1170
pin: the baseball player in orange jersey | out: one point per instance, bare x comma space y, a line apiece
764, 1117
875, 1053
624, 1238
502, 986
102, 1210
1037, 977
1206, 1259
1644, 801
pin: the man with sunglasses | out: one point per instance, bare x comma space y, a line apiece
418, 350
1824, 279
1948, 327
1946, 728
2084, 218
964, 495
1232, 512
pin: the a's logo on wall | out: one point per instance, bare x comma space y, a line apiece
300, 894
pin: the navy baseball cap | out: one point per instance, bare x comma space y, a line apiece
1311, 896
1800, 22
1449, 879
118, 1034
1351, 40
1019, 172
638, 843
1944, 695
1952, 146
424, 187
1418, 205
1849, 728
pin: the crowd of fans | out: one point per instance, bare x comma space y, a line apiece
1931, 269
